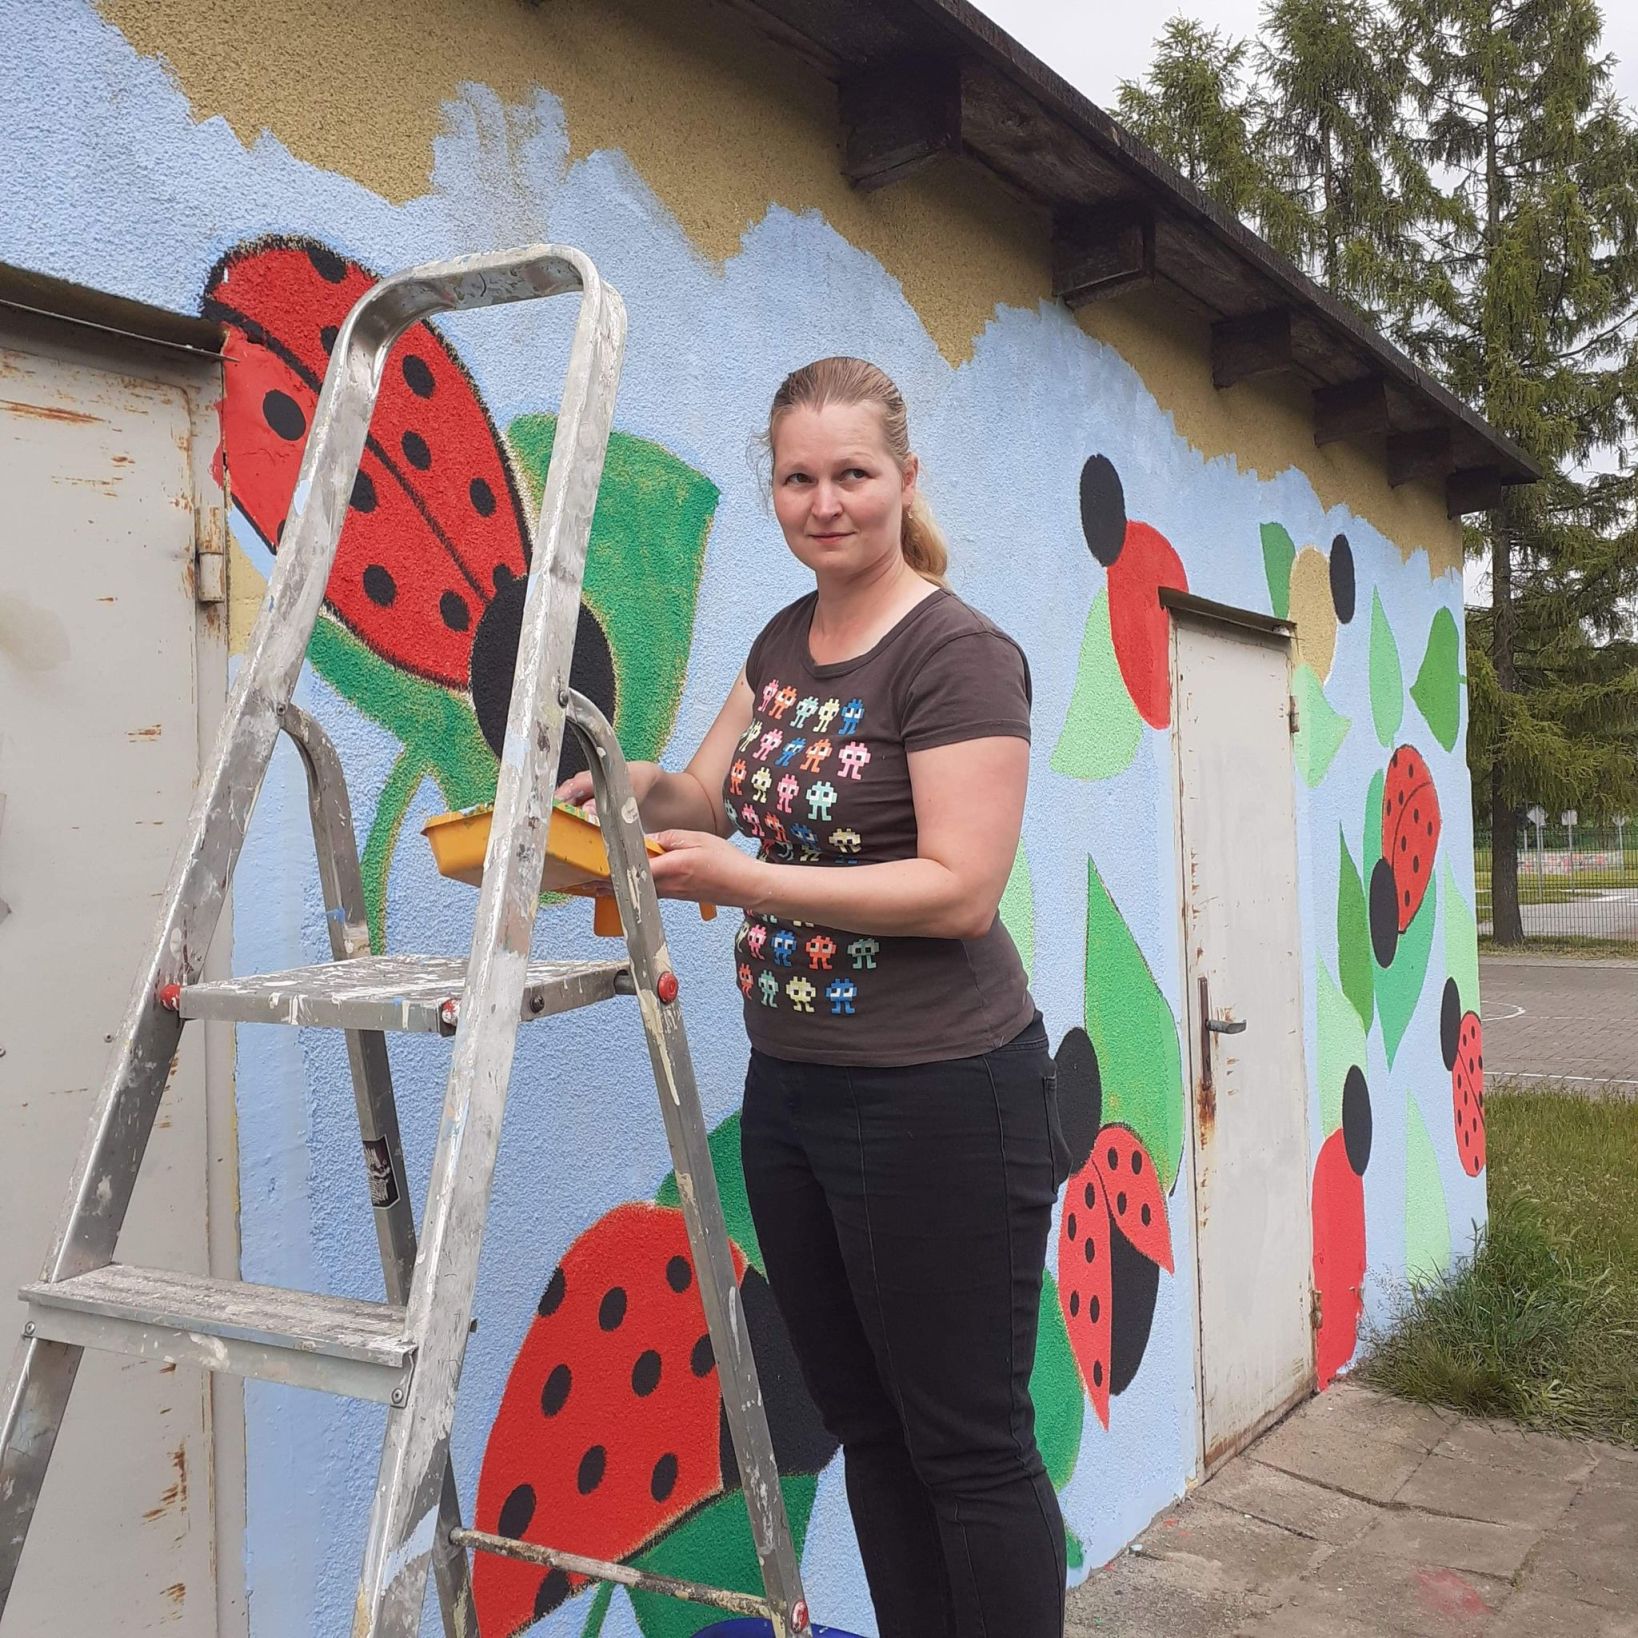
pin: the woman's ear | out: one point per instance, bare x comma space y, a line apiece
912, 471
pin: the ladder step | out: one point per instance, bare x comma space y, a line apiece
340, 1344
418, 994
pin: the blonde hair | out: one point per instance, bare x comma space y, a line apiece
855, 381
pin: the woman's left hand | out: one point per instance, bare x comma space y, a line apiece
704, 868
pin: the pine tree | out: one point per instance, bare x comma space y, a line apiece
1534, 316
1194, 109
1353, 190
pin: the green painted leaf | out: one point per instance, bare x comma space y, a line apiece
1438, 687
1133, 1033
1073, 1550
1399, 985
643, 567
1372, 848
736, 1207
1341, 1046
713, 1546
1387, 681
1278, 554
1018, 910
1461, 942
1101, 728
1321, 729
598, 1613
1353, 937
1055, 1386
1427, 1218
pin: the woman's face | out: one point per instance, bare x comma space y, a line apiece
838, 493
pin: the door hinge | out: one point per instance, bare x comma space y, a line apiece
1316, 1309
1291, 712
209, 553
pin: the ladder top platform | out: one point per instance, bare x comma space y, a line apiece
417, 994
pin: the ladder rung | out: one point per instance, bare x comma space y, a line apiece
419, 994
339, 1344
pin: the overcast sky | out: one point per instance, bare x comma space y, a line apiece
1096, 45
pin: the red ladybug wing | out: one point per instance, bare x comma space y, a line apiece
1138, 624
451, 487
1339, 1257
391, 572
1410, 829
608, 1429
1084, 1281
1467, 1095
1136, 1205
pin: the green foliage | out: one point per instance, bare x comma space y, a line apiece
1427, 1216
1438, 686
1399, 984
736, 1205
1055, 1387
1321, 728
1101, 728
1279, 552
1353, 939
1387, 680
1341, 1045
1018, 910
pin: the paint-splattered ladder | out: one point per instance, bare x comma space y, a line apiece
407, 1351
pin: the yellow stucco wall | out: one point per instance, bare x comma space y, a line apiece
720, 122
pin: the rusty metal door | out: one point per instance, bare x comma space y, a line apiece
1242, 947
107, 665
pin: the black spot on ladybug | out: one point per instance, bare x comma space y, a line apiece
1120, 1203
611, 1311
1091, 1249
1080, 1097
554, 1589
1113, 1157
645, 1374
1097, 1373
664, 1478
1091, 1194
1133, 1283
1356, 1120
593, 1465
327, 338
415, 451
329, 266
482, 497
1103, 509
555, 1394
379, 586
501, 575
516, 1511
1094, 1307
1343, 593
1384, 914
1147, 1215
453, 611
703, 1357
678, 1275
551, 1299
283, 414
1071, 1227
418, 375
495, 655
1074, 1304
363, 493
1137, 1161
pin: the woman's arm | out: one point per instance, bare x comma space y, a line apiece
951, 889
692, 799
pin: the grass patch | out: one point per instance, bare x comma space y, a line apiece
1541, 1326
1586, 949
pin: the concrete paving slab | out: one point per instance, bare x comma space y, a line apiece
1460, 1487
1374, 1471
1132, 1598
1497, 1444
1394, 1596
1294, 1504
1542, 1615
1462, 1544
1362, 1412
1593, 1554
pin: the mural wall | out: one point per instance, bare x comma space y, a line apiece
589, 1414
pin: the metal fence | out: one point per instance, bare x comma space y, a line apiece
1576, 882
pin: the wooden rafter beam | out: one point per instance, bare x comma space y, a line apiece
1351, 409
1472, 489
898, 118
1421, 454
1101, 251
1249, 345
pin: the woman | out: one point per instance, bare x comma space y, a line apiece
900, 1132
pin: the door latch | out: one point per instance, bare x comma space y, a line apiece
1209, 1027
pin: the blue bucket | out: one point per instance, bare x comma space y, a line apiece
753, 1626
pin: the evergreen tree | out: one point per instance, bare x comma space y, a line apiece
1534, 317
1194, 109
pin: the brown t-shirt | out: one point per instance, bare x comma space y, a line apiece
822, 777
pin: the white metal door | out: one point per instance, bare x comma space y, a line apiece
1242, 942
100, 645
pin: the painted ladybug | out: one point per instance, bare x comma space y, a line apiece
1410, 838
1113, 1236
1339, 1231
1461, 1040
430, 571
1140, 561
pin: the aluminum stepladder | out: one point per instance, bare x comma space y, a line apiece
405, 1352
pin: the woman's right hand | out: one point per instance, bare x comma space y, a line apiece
576, 790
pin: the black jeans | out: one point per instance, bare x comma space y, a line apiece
903, 1216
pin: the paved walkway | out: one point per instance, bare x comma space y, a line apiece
1561, 1019
1365, 1515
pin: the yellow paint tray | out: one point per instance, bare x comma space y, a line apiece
576, 859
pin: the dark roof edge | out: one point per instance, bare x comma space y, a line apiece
974, 29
